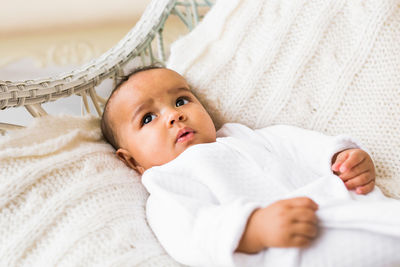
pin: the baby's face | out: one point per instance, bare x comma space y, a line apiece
156, 118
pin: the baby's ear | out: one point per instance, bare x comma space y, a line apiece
129, 161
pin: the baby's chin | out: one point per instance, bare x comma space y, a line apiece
178, 152
180, 147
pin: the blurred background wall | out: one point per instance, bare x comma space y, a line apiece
63, 32
43, 38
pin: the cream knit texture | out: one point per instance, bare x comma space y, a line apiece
66, 200
331, 66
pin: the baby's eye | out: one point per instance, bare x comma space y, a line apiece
148, 118
181, 102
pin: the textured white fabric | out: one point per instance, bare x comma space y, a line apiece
331, 66
199, 202
66, 200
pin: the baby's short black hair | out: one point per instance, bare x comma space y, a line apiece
107, 126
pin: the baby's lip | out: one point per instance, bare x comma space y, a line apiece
183, 132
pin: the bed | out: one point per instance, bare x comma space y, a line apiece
331, 66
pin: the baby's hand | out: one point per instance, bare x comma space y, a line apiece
356, 169
288, 223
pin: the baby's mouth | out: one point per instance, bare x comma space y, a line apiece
184, 134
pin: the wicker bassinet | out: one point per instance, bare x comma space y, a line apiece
144, 40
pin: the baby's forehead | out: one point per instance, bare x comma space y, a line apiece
146, 85
125, 97
154, 82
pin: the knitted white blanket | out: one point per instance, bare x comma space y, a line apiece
331, 66
66, 200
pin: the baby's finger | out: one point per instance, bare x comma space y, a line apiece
341, 157
304, 215
360, 180
300, 241
352, 160
365, 188
304, 229
301, 202
356, 170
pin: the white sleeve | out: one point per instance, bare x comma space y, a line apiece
190, 224
309, 148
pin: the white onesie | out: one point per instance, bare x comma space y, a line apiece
199, 203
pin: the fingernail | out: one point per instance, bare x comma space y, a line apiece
337, 166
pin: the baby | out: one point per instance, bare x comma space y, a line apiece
217, 198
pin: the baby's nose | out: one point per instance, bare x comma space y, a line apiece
174, 117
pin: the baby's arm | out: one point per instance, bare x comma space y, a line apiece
286, 223
356, 168
311, 149
191, 224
